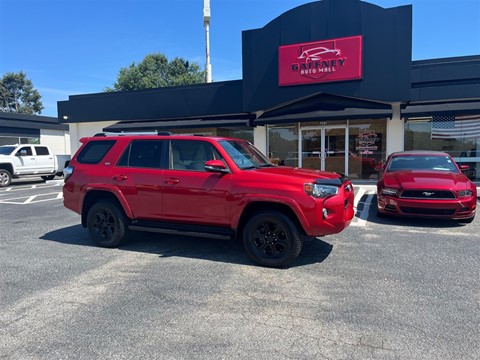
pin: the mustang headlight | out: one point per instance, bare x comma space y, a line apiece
390, 191
320, 191
465, 193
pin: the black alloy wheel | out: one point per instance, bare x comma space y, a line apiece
107, 224
272, 239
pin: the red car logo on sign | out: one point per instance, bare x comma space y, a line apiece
315, 53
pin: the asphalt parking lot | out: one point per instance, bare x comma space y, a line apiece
382, 289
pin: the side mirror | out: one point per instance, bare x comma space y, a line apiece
216, 166
464, 167
379, 167
22, 152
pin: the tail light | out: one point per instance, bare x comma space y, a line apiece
67, 172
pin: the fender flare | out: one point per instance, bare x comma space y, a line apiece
266, 198
111, 189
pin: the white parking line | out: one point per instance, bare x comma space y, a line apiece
366, 193
26, 200
30, 187
29, 200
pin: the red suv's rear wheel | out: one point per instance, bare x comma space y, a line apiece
272, 239
106, 224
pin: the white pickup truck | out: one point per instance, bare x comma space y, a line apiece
26, 160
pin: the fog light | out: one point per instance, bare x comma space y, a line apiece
325, 214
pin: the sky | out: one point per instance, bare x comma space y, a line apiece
70, 47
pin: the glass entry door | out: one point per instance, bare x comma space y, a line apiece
324, 148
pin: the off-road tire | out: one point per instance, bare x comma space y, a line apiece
107, 224
272, 239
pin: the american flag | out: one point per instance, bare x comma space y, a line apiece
455, 127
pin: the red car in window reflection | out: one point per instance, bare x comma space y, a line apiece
427, 184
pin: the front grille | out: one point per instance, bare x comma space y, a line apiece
428, 194
419, 211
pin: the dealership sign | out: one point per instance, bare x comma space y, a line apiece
321, 61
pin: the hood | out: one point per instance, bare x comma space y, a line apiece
411, 179
305, 174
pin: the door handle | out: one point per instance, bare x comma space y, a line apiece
172, 181
120, 177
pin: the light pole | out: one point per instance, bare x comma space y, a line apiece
206, 23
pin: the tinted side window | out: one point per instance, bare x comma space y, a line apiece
94, 151
142, 154
41, 150
25, 151
191, 155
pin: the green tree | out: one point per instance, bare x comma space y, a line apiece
156, 71
17, 94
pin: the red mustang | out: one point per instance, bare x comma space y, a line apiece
427, 184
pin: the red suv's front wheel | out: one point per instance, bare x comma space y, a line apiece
272, 239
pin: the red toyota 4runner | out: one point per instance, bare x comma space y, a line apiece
203, 186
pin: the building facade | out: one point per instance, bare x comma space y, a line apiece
328, 85
34, 129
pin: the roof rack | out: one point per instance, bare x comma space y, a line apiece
160, 133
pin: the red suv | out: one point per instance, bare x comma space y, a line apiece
203, 186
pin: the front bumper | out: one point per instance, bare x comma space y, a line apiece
443, 209
335, 213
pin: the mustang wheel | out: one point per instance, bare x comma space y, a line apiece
5, 178
107, 224
271, 239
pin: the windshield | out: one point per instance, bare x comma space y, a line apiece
422, 162
244, 154
7, 150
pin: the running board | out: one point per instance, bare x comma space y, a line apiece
211, 233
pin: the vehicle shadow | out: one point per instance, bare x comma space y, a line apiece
26, 182
166, 246
409, 221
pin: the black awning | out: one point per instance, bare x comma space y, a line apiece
175, 124
324, 107
32, 125
452, 108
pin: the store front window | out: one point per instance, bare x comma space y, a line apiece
283, 145
457, 135
367, 147
350, 147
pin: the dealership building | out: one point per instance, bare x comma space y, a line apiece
328, 85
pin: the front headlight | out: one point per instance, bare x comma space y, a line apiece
390, 191
465, 193
320, 191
